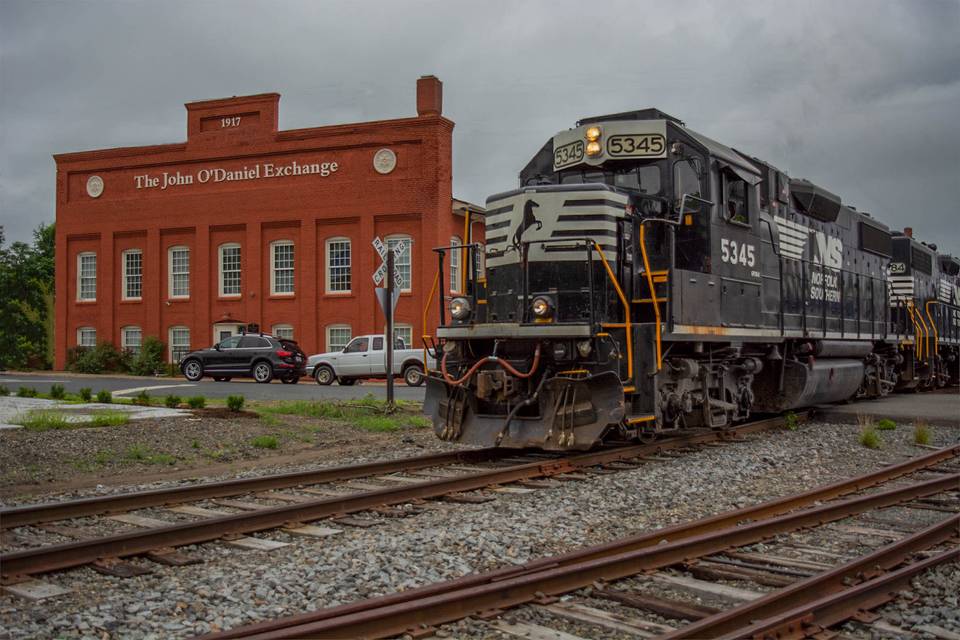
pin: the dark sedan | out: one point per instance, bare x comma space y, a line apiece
260, 357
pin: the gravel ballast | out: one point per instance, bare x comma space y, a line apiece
234, 587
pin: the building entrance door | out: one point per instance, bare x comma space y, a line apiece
223, 330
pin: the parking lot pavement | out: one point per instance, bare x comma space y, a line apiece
129, 386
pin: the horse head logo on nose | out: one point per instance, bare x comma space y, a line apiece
528, 221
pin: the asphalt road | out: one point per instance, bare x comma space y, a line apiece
128, 386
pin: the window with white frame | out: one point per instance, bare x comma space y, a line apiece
131, 338
281, 267
87, 276
178, 264
455, 264
405, 333
338, 335
402, 262
283, 331
132, 274
230, 261
179, 343
86, 337
479, 261
339, 262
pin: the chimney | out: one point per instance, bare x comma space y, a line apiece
908, 231
429, 96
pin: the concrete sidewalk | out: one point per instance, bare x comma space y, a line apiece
11, 407
938, 409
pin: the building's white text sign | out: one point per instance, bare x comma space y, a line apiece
258, 171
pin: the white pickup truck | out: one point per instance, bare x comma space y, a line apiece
366, 357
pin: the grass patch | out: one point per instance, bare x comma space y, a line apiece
140, 453
107, 418
26, 392
378, 423
86, 394
42, 420
790, 421
266, 442
161, 458
197, 402
57, 392
886, 424
419, 422
4, 391
921, 432
104, 396
142, 399
869, 438
172, 401
137, 452
270, 419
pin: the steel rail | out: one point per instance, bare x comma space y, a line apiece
453, 600
36, 513
837, 607
735, 621
676, 532
72, 554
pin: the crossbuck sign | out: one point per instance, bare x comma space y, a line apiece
381, 272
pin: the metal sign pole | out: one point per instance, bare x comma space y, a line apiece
388, 312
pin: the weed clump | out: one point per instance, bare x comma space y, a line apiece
86, 394
26, 392
4, 391
235, 403
142, 399
42, 420
57, 392
197, 402
886, 424
108, 418
172, 401
921, 432
790, 421
265, 442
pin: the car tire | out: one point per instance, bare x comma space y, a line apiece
324, 375
290, 379
347, 382
413, 375
262, 372
192, 370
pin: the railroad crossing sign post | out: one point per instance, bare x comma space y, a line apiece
387, 297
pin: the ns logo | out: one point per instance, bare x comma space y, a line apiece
827, 250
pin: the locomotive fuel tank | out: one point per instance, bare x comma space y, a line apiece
805, 384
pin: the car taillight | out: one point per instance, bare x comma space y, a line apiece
284, 354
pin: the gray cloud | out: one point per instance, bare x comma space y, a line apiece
859, 96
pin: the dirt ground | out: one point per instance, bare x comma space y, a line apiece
210, 442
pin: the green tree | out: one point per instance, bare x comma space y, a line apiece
26, 280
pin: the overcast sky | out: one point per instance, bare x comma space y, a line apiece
862, 97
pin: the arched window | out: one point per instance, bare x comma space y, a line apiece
455, 264
87, 276
87, 337
281, 267
230, 262
402, 261
178, 272
131, 338
338, 335
339, 265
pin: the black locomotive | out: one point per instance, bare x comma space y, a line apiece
645, 278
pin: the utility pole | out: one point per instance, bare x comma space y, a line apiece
388, 312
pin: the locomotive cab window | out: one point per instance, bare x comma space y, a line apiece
734, 198
686, 181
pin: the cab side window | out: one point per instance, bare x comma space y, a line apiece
734, 198
359, 345
686, 179
378, 344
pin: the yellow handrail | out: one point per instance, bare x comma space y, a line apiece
653, 291
626, 309
926, 334
917, 332
426, 307
936, 334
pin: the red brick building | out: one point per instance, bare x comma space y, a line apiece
244, 223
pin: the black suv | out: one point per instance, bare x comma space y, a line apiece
260, 357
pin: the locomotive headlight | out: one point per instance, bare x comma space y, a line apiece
559, 351
542, 307
593, 134
593, 148
584, 348
460, 308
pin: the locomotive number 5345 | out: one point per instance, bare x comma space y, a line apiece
737, 253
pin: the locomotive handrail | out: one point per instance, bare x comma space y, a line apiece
626, 312
926, 333
653, 291
426, 308
936, 334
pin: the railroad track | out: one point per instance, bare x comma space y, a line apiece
808, 596
409, 480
